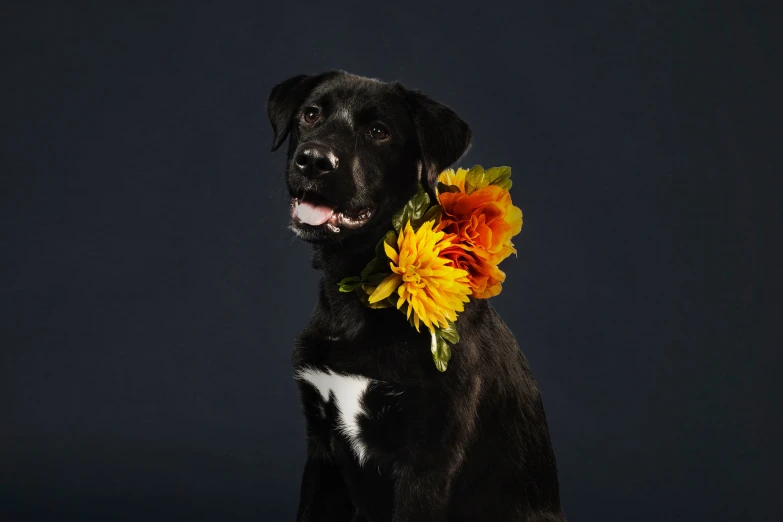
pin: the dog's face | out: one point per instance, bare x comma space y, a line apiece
357, 149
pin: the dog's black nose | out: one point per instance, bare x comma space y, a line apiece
315, 160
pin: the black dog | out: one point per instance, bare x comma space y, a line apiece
390, 438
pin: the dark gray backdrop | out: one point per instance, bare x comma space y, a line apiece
151, 290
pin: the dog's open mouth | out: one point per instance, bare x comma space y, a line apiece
314, 210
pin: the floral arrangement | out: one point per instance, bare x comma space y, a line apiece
440, 255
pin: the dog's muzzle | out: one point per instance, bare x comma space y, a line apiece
313, 160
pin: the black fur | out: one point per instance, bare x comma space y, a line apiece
470, 444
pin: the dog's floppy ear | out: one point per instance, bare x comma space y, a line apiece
443, 136
285, 99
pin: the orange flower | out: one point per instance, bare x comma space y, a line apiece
484, 221
484, 278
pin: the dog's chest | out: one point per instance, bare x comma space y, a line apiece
365, 413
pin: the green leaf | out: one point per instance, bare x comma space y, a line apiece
376, 278
441, 352
505, 184
474, 179
442, 187
349, 284
497, 175
433, 214
391, 239
450, 333
477, 178
413, 210
386, 303
377, 265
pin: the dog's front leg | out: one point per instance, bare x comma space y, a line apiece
425, 468
323, 496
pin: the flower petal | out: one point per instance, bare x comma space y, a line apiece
385, 289
391, 253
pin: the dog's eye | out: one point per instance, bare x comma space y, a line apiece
378, 132
311, 115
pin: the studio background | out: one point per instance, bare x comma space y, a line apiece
151, 292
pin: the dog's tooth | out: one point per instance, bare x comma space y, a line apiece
333, 228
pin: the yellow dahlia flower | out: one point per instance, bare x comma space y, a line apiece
432, 286
449, 177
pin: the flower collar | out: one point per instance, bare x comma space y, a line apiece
438, 256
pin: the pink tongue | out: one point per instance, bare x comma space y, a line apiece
313, 214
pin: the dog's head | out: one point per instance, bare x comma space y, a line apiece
357, 149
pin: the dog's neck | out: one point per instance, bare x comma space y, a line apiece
344, 314
340, 261
340, 316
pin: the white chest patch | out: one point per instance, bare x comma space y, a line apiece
348, 391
